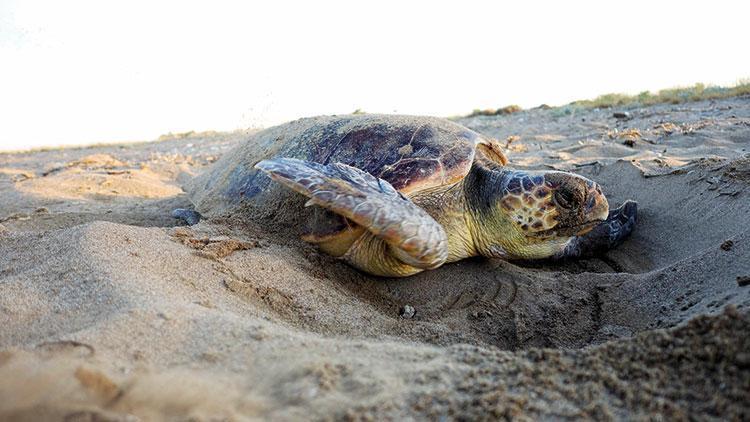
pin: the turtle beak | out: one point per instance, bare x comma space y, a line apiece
596, 208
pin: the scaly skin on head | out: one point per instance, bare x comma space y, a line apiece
529, 215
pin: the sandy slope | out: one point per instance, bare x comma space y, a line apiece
110, 310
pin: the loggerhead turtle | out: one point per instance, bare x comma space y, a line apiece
396, 195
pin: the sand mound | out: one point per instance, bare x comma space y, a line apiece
114, 307
112, 311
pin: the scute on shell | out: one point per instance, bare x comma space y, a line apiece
410, 152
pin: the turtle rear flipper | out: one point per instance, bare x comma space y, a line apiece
413, 235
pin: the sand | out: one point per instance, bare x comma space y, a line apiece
110, 309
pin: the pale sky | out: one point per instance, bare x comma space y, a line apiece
76, 72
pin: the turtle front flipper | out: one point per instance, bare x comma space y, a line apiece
605, 236
412, 235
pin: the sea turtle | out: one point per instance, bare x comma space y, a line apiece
396, 195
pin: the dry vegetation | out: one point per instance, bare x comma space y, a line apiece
496, 112
672, 96
677, 95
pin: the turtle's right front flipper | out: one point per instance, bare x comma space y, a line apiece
413, 235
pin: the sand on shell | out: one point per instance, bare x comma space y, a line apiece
112, 310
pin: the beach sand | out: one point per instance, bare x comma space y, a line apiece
110, 309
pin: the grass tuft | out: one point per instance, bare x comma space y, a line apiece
496, 112
678, 95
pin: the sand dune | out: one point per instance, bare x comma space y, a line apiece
111, 310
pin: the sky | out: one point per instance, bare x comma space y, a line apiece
79, 72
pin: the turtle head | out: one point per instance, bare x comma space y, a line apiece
532, 214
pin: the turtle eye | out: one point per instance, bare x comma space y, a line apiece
564, 198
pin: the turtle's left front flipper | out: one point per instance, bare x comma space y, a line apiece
605, 236
414, 237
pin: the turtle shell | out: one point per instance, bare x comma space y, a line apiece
410, 152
